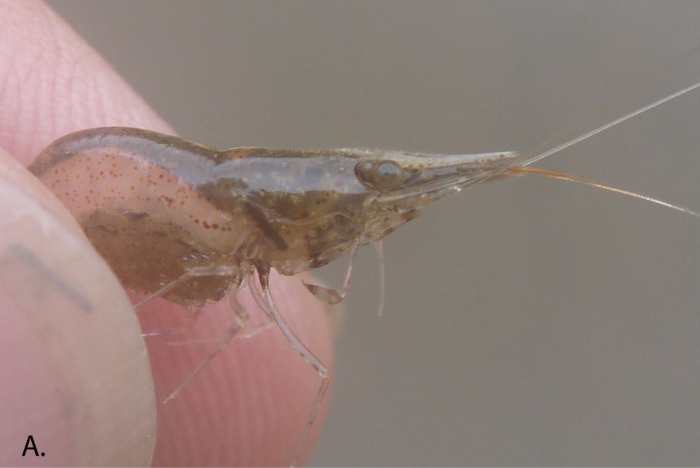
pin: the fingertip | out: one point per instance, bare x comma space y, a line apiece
75, 371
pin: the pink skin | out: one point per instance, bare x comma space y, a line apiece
74, 372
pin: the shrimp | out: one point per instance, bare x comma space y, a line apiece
195, 222
192, 224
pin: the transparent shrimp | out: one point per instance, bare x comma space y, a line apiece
190, 224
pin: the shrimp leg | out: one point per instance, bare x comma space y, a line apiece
231, 332
334, 296
305, 352
192, 273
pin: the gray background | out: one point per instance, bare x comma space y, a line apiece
528, 322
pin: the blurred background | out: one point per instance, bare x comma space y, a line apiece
528, 321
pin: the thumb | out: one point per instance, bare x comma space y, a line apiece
69, 340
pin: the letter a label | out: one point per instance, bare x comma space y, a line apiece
30, 446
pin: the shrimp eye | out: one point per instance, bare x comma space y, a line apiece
380, 175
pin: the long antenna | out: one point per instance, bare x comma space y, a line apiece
602, 128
